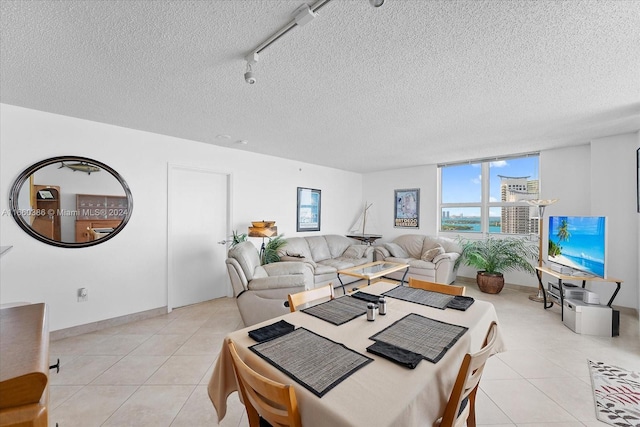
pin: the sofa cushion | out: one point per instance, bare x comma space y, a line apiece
405, 260
420, 264
277, 282
337, 244
396, 251
430, 254
448, 244
318, 247
295, 247
322, 268
355, 251
412, 244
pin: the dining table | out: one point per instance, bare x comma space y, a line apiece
378, 391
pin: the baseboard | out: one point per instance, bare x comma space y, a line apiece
104, 324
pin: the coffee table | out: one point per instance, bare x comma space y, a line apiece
373, 270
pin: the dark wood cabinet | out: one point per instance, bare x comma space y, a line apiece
98, 211
46, 215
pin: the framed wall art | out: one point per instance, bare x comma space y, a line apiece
407, 208
308, 212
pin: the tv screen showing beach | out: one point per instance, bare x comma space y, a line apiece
579, 242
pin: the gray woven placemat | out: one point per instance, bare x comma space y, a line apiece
339, 310
420, 296
428, 337
315, 362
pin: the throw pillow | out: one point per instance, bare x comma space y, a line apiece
355, 251
395, 250
430, 254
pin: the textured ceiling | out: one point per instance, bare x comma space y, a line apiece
358, 88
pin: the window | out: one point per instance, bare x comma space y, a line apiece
487, 196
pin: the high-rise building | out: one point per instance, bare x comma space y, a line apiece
518, 219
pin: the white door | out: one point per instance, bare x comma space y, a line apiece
198, 219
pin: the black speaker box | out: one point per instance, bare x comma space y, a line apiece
615, 323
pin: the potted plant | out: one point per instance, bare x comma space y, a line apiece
271, 249
238, 238
493, 257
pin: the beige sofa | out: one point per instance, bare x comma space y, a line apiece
430, 258
324, 255
261, 290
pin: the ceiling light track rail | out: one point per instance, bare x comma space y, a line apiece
301, 16
294, 22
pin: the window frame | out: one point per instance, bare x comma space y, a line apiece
485, 205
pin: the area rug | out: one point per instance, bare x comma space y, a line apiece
617, 394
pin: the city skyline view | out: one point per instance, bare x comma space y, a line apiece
462, 184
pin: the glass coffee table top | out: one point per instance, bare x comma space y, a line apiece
373, 270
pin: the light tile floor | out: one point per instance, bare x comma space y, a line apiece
155, 372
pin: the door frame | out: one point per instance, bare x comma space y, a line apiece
171, 167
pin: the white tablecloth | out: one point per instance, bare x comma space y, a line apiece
381, 393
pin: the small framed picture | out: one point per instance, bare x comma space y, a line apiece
308, 212
407, 208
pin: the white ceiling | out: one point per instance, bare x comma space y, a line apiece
358, 88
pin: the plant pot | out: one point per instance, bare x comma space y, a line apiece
490, 283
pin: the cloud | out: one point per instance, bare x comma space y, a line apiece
499, 164
477, 180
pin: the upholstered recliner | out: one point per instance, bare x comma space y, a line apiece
261, 290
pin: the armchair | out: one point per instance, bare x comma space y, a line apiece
261, 290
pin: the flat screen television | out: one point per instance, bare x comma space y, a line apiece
579, 242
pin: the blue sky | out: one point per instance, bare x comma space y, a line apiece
462, 183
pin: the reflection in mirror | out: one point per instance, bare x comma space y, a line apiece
71, 201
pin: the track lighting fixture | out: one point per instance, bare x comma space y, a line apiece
301, 16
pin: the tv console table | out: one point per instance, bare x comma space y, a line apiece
561, 277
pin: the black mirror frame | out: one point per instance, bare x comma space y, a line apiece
24, 176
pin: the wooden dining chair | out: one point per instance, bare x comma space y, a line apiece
297, 299
436, 287
461, 408
265, 399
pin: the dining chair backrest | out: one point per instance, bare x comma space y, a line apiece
304, 297
436, 287
460, 409
264, 398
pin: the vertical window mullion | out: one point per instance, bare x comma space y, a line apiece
484, 211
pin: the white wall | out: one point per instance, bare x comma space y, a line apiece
595, 178
127, 274
613, 194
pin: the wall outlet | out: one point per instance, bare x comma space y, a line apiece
83, 295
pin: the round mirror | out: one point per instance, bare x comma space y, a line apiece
71, 201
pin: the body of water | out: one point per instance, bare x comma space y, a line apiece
470, 224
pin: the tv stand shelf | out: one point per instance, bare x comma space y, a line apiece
561, 277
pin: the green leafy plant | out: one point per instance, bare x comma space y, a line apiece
271, 249
238, 238
493, 255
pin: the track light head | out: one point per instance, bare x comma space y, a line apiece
249, 75
376, 3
